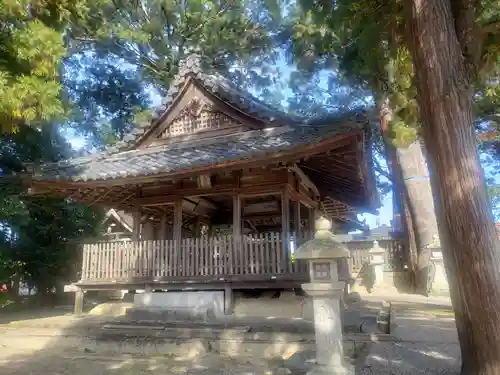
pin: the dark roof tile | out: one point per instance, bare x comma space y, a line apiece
196, 67
176, 157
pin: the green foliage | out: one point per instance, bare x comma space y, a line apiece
363, 41
38, 235
5, 300
89, 64
106, 96
48, 232
154, 35
494, 194
31, 51
122, 50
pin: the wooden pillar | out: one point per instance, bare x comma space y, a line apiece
284, 263
148, 231
79, 301
311, 222
296, 220
237, 215
169, 232
136, 230
178, 220
162, 235
177, 234
236, 233
197, 227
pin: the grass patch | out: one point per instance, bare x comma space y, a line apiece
5, 300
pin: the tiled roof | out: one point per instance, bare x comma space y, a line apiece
196, 67
183, 156
282, 132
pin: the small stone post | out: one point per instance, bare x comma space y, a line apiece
377, 261
79, 296
322, 254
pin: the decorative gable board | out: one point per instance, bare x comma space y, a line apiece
196, 113
199, 115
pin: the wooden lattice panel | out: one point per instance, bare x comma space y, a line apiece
195, 118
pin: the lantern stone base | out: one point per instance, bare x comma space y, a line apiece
346, 369
328, 328
440, 286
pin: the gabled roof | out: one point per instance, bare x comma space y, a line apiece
259, 134
122, 217
278, 132
183, 156
195, 67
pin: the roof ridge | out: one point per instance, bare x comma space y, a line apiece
266, 133
199, 68
114, 151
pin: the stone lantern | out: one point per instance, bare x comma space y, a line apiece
440, 281
322, 253
377, 261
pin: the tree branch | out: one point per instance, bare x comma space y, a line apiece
221, 10
491, 27
468, 33
378, 168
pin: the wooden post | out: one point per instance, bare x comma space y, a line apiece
238, 243
79, 301
163, 228
311, 222
177, 233
285, 229
237, 216
178, 220
197, 227
136, 230
148, 231
228, 299
296, 221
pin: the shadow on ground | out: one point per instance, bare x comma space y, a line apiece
55, 342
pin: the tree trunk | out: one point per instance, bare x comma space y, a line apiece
471, 248
416, 180
411, 243
401, 200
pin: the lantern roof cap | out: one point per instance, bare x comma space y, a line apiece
323, 245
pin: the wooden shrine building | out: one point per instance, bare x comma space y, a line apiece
220, 186
117, 225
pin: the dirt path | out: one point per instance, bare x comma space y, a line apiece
426, 343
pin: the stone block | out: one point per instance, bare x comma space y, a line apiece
192, 349
195, 301
170, 314
384, 317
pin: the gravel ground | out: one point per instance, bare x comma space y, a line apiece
425, 343
53, 346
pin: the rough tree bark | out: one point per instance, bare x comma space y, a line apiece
414, 199
471, 248
416, 181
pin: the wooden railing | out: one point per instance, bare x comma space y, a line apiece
204, 257
220, 257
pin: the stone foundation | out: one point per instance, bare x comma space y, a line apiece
202, 304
